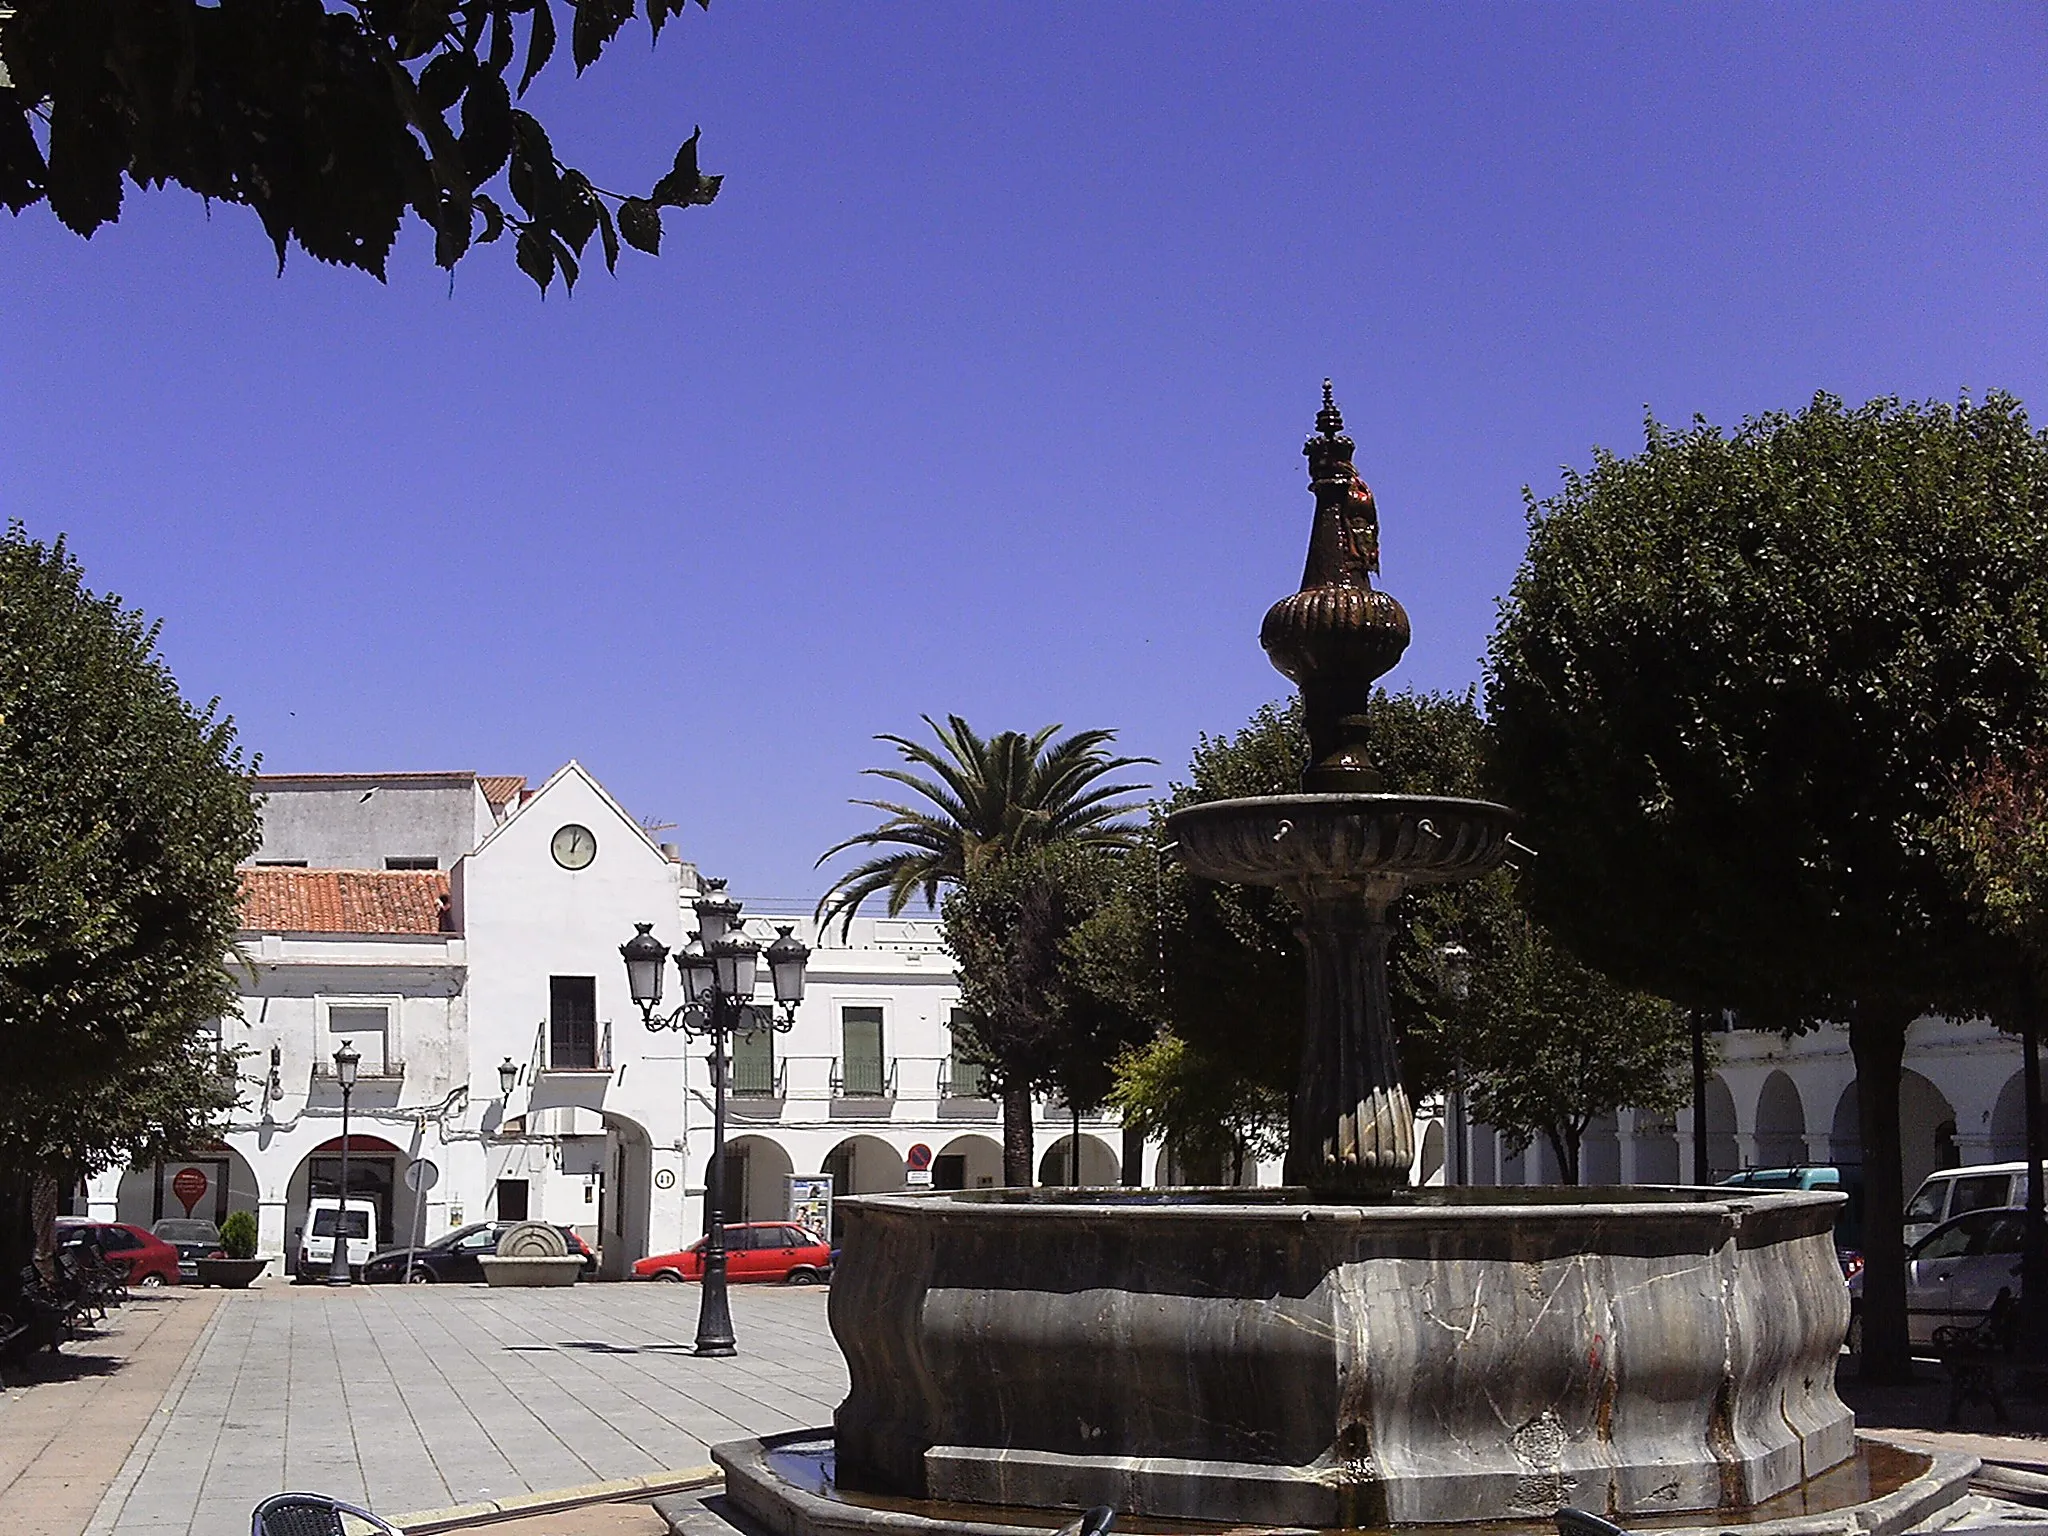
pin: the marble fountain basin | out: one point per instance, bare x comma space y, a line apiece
1244, 1355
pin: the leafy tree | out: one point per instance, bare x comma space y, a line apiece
984, 800
1730, 681
1547, 1044
1210, 1111
1011, 925
1994, 840
333, 123
123, 814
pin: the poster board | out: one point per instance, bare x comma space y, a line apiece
810, 1201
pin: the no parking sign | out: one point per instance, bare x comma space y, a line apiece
917, 1166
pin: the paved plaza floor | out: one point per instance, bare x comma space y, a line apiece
420, 1397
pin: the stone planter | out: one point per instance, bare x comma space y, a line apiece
499, 1270
231, 1274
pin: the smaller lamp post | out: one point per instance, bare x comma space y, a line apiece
720, 968
346, 1060
1454, 966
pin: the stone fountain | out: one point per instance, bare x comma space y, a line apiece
1343, 1352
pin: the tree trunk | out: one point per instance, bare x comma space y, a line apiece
1017, 1169
1564, 1145
1877, 1040
2033, 1340
1134, 1157
47, 1194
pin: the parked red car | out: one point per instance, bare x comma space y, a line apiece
148, 1259
759, 1250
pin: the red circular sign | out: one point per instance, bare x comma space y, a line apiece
190, 1186
918, 1158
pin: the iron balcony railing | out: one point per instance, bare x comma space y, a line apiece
574, 1048
960, 1078
762, 1076
863, 1077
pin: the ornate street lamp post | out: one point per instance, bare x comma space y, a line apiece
1454, 966
508, 1078
719, 968
345, 1062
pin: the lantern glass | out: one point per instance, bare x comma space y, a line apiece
508, 1078
346, 1060
787, 958
738, 960
645, 957
694, 965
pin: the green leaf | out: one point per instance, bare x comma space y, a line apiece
566, 260
678, 189
536, 256
640, 224
494, 219
610, 235
535, 179
487, 130
540, 43
577, 220
501, 40
442, 81
597, 23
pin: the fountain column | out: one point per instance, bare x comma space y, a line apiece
1352, 1135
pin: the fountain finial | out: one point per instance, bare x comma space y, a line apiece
1337, 634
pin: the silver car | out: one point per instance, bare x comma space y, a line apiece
1955, 1272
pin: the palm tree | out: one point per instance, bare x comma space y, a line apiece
986, 800
987, 797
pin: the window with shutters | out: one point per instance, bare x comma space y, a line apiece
572, 1023
862, 1074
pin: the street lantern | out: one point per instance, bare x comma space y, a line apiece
787, 957
720, 968
694, 965
646, 957
508, 1078
1455, 963
346, 1060
716, 912
737, 961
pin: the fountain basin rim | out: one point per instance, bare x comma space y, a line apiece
1704, 1203
758, 1488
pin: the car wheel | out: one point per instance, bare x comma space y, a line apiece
420, 1275
151, 1281
673, 1276
801, 1277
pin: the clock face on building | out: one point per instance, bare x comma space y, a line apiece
574, 847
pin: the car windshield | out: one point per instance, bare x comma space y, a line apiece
177, 1230
1926, 1205
358, 1223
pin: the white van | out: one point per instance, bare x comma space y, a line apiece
1948, 1192
316, 1238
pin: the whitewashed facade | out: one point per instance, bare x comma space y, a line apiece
461, 943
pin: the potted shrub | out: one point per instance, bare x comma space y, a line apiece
236, 1264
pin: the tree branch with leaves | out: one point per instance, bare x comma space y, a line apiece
334, 123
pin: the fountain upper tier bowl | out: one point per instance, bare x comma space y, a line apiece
1342, 840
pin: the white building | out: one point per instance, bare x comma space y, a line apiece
450, 926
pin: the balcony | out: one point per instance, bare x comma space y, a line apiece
574, 1047
759, 1077
369, 1070
863, 1077
960, 1078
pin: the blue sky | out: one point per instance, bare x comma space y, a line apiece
982, 387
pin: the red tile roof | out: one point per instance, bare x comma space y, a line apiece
501, 789
343, 900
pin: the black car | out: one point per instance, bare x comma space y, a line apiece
453, 1258
193, 1237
